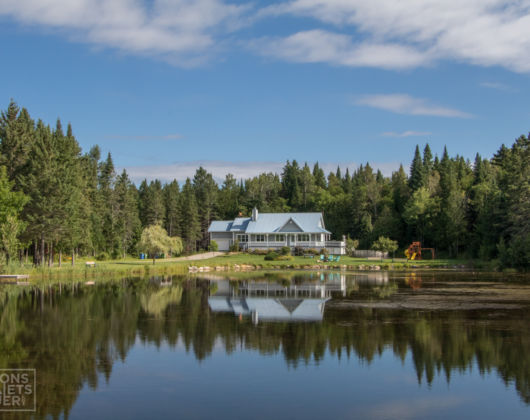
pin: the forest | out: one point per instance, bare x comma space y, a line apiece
56, 198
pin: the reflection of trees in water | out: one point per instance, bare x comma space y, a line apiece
74, 335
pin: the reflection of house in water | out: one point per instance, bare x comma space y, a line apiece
271, 301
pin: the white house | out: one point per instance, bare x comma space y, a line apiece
275, 230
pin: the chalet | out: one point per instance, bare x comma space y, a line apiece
275, 230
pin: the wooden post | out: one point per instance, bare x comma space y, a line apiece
42, 251
50, 254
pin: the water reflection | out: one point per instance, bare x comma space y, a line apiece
288, 300
74, 334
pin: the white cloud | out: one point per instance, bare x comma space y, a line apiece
408, 133
496, 86
318, 46
241, 170
180, 31
384, 34
480, 32
408, 105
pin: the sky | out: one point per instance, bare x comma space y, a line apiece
241, 86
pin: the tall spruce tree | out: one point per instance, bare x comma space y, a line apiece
416, 171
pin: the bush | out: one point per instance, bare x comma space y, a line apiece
213, 247
324, 251
285, 250
351, 246
312, 251
260, 251
298, 251
235, 247
271, 256
102, 256
285, 258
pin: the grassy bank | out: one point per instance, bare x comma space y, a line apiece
136, 267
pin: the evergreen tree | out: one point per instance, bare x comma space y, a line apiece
173, 219
191, 228
319, 176
416, 171
206, 194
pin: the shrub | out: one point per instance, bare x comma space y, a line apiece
271, 256
312, 251
102, 256
285, 258
235, 247
298, 251
351, 246
285, 250
324, 251
214, 247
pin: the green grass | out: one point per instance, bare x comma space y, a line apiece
135, 267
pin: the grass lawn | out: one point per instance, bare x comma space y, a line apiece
135, 267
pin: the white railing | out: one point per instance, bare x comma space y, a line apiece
308, 244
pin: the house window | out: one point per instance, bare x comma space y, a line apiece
260, 238
303, 237
242, 238
280, 238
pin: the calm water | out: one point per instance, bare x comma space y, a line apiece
274, 345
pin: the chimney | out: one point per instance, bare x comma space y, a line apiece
254, 214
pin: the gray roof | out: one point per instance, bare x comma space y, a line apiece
220, 226
240, 224
280, 309
273, 223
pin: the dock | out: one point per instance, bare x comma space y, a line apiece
14, 279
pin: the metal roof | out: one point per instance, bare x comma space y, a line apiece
240, 224
220, 226
272, 223
271, 309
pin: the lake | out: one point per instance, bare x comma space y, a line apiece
375, 345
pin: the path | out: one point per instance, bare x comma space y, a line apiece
204, 256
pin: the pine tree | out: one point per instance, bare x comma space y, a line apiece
127, 221
416, 171
206, 194
191, 228
319, 176
173, 219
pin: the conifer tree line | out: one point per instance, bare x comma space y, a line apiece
56, 200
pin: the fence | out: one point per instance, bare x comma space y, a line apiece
368, 253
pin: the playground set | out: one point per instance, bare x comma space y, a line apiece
414, 251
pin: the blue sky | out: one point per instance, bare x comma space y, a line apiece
241, 87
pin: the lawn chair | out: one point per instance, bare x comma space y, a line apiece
330, 258
337, 258
322, 258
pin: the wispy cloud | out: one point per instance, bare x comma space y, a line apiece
496, 86
404, 134
166, 137
183, 32
384, 34
408, 105
485, 33
319, 46
241, 170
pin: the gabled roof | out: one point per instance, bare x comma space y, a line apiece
283, 309
240, 224
220, 226
272, 223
